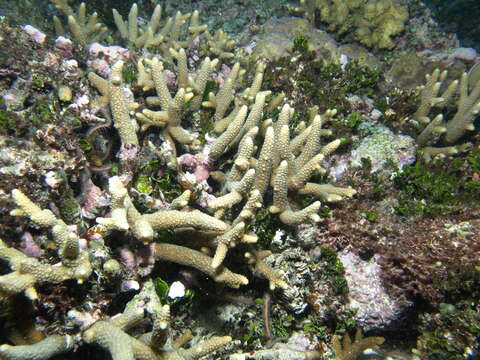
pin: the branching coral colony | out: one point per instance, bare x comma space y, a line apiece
271, 161
435, 95
371, 22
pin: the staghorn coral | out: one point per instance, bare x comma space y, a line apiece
29, 272
125, 216
220, 44
134, 219
261, 183
42, 350
152, 34
175, 32
85, 30
282, 164
286, 165
349, 351
111, 335
171, 114
467, 103
113, 94
371, 22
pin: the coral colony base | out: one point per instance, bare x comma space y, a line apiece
197, 176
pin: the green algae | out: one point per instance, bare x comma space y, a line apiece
441, 189
335, 271
300, 44
322, 82
452, 332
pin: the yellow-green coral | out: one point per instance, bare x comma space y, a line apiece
371, 22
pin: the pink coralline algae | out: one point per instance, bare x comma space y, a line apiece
82, 101
376, 309
171, 79
128, 259
129, 285
222, 75
81, 105
70, 65
36, 34
29, 247
94, 198
127, 152
64, 47
51, 61
100, 66
196, 164
111, 54
9, 97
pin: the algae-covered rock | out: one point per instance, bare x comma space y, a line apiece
276, 38
296, 347
360, 53
409, 70
386, 151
